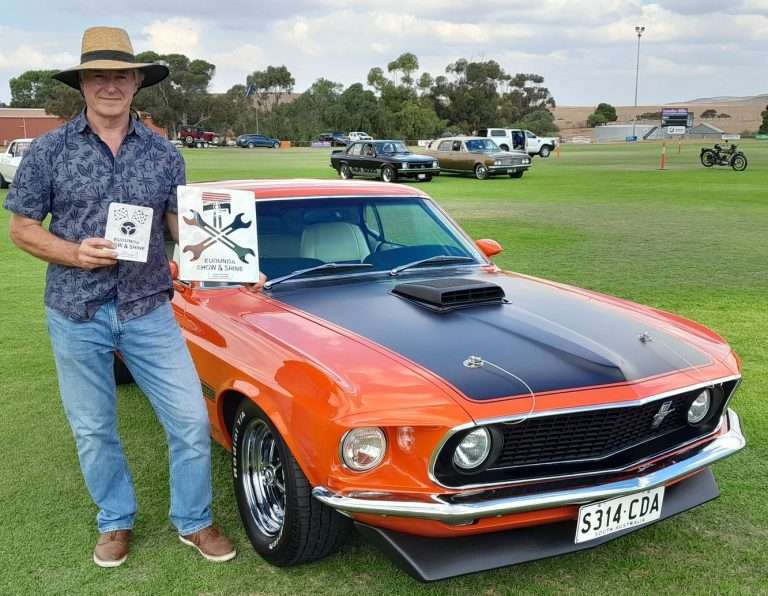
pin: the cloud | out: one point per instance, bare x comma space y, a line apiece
177, 35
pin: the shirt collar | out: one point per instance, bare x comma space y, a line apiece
134, 125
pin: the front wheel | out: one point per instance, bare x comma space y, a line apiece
251, 145
481, 172
708, 158
345, 172
739, 162
276, 145
545, 151
284, 522
387, 174
518, 174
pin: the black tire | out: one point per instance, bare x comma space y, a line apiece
276, 145
428, 178
205, 144
305, 530
189, 140
251, 145
545, 151
708, 158
518, 174
3, 182
123, 376
388, 174
345, 172
481, 172
739, 162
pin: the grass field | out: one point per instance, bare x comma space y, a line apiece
690, 240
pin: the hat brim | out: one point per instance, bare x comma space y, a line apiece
153, 73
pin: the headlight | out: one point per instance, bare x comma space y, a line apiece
435, 164
404, 165
363, 448
497, 162
526, 161
473, 449
700, 407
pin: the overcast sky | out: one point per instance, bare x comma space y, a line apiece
584, 49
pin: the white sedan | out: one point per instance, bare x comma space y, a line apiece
10, 160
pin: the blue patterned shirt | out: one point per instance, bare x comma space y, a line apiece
71, 174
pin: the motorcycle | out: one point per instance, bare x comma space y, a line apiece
720, 156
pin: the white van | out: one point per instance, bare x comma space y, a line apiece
509, 139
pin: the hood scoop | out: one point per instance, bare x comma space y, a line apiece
448, 294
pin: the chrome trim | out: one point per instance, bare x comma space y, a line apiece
438, 509
625, 404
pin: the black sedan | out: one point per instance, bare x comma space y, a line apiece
253, 140
387, 160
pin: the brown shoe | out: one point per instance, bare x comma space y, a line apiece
112, 548
211, 543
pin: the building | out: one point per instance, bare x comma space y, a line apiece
28, 123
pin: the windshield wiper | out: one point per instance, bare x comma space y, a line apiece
436, 260
323, 267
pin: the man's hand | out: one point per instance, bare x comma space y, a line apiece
258, 285
93, 253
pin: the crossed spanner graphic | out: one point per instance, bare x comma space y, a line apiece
215, 235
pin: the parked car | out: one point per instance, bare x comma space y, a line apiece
462, 417
359, 136
477, 156
336, 138
253, 140
387, 160
522, 140
197, 137
10, 160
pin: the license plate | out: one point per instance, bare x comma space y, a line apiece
606, 517
421, 176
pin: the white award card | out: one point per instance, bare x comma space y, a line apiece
129, 227
217, 235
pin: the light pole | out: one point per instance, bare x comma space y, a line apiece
639, 31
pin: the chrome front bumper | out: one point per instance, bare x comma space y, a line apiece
453, 513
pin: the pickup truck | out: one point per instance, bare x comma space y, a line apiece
10, 160
509, 139
197, 137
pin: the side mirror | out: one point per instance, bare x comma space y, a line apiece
488, 247
174, 267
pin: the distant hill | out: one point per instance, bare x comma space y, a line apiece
763, 97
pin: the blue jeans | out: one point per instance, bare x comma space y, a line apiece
155, 352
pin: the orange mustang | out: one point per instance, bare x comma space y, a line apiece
390, 377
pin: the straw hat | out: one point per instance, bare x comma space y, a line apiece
109, 48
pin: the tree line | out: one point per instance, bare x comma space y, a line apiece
395, 101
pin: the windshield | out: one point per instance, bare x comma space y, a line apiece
391, 147
381, 232
481, 145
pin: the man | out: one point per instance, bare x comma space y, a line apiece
97, 305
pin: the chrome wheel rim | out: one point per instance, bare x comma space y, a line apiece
481, 172
263, 478
345, 172
386, 175
545, 152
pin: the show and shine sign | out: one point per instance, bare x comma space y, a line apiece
217, 235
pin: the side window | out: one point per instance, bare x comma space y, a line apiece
372, 221
529, 134
498, 133
444, 146
368, 150
12, 150
456, 146
354, 149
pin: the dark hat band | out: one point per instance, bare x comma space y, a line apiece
106, 55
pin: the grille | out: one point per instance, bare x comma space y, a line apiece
591, 442
587, 435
